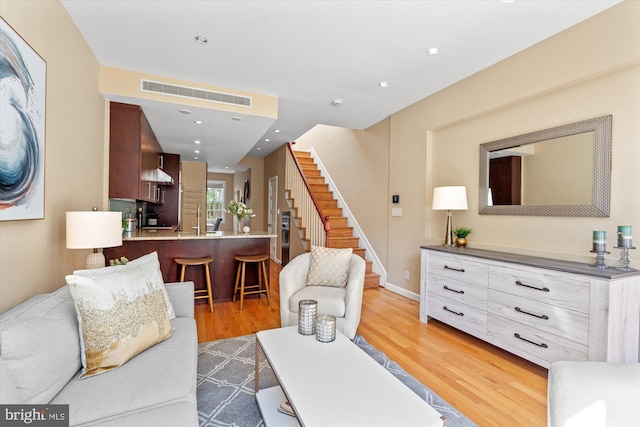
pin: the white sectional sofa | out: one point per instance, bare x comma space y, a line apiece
40, 362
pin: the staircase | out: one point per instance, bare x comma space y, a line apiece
341, 234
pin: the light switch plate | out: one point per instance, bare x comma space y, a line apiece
396, 212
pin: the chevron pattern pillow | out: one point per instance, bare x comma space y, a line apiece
329, 267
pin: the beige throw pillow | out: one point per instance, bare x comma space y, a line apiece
119, 316
329, 267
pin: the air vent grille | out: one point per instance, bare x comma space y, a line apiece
194, 93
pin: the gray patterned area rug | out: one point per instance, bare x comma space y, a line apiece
226, 371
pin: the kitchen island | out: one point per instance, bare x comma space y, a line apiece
223, 246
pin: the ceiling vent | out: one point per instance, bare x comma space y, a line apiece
194, 93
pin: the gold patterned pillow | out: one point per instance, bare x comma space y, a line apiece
119, 315
329, 267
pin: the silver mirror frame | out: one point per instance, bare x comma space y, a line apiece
601, 126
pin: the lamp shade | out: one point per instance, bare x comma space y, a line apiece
450, 198
94, 229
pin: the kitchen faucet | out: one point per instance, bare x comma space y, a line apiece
197, 227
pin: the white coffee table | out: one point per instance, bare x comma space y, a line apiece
334, 384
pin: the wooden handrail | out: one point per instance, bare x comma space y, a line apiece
324, 218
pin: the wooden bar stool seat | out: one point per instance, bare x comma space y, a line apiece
262, 287
198, 293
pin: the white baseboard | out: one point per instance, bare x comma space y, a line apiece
402, 291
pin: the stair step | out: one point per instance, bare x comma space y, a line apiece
338, 222
371, 280
315, 180
332, 203
300, 154
308, 172
359, 251
340, 231
343, 242
319, 187
305, 160
323, 195
332, 211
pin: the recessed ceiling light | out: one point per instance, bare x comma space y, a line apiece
336, 102
197, 151
432, 50
226, 167
276, 131
259, 148
201, 39
195, 157
184, 111
196, 141
236, 118
383, 84
198, 122
267, 140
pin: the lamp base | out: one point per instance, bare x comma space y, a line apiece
448, 239
95, 260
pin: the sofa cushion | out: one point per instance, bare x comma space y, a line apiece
330, 299
120, 314
40, 347
329, 267
147, 266
161, 377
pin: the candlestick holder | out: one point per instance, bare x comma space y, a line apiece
623, 264
600, 258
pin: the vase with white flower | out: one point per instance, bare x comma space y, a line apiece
240, 211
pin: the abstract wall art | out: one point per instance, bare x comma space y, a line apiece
23, 77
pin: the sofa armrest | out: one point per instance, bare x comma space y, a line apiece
181, 296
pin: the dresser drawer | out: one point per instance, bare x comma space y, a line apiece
546, 286
466, 293
541, 344
458, 268
569, 324
456, 314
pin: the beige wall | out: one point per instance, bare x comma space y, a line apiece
590, 70
33, 257
257, 187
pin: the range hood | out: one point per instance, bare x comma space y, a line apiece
163, 178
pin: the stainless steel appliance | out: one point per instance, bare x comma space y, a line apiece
286, 228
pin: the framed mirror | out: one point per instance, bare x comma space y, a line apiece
561, 171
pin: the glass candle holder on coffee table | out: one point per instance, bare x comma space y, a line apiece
307, 312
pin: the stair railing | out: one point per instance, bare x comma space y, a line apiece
308, 210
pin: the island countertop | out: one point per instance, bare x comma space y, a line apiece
222, 246
178, 235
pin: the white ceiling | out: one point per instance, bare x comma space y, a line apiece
308, 53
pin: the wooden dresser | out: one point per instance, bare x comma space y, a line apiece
541, 309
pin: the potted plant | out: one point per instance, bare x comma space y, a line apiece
461, 234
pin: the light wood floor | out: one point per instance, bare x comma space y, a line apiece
490, 386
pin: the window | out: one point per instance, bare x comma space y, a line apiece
216, 191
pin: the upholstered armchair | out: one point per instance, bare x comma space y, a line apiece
594, 394
345, 303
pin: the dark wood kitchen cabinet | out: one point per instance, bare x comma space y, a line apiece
134, 155
170, 194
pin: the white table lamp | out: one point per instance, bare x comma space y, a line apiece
449, 198
94, 230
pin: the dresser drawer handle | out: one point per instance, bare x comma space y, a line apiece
543, 345
451, 311
519, 283
453, 290
539, 316
461, 270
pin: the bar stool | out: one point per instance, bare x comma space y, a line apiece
199, 293
263, 278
